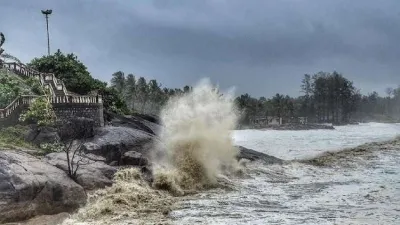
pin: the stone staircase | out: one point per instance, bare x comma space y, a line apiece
60, 96
48, 80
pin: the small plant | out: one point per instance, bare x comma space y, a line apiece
40, 112
47, 148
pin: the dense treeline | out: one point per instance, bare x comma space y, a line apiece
327, 97
143, 96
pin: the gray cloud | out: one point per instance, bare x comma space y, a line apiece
261, 47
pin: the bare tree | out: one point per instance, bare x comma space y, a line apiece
73, 135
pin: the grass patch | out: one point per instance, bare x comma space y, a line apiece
14, 138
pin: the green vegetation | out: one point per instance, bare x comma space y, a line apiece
69, 69
13, 138
77, 79
11, 86
47, 148
40, 112
328, 97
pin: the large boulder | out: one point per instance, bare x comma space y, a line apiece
134, 159
112, 142
92, 173
42, 135
30, 187
147, 124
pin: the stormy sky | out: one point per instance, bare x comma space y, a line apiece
259, 46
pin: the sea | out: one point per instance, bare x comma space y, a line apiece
366, 192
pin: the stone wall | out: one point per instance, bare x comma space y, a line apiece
94, 111
64, 112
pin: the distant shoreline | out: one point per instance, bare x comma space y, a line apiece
291, 127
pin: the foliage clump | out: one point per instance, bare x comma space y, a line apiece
70, 70
11, 86
40, 112
78, 80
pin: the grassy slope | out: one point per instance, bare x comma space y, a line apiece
13, 138
12, 85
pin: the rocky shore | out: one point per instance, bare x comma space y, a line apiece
32, 186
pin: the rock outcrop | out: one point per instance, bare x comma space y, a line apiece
93, 173
30, 187
134, 159
112, 142
42, 135
144, 123
245, 153
77, 128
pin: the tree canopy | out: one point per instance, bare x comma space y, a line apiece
70, 70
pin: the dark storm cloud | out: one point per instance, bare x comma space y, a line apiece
261, 47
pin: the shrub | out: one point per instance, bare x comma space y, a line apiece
40, 112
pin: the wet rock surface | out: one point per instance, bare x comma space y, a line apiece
252, 155
112, 142
134, 159
31, 187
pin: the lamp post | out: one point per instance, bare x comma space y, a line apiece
46, 13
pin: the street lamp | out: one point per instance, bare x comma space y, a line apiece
46, 13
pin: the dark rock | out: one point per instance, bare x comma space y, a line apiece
30, 187
41, 135
245, 153
134, 122
134, 159
77, 128
55, 219
93, 173
113, 163
112, 142
147, 174
151, 118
